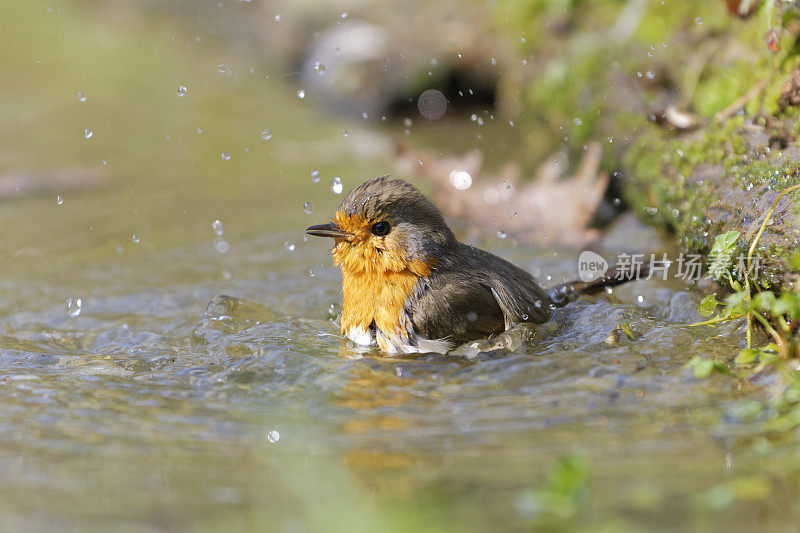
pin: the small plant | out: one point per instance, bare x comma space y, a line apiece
777, 314
563, 497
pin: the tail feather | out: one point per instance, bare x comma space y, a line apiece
570, 291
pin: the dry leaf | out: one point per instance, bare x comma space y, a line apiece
549, 207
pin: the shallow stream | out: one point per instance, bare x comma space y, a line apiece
134, 395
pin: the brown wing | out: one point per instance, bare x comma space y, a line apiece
455, 307
473, 294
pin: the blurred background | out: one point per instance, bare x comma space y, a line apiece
157, 155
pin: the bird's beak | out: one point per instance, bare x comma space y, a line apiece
328, 230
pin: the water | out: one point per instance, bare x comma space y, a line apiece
152, 377
224, 397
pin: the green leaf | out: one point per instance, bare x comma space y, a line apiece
788, 304
708, 305
748, 356
703, 368
737, 304
764, 301
722, 252
727, 241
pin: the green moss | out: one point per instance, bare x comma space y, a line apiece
694, 55
666, 185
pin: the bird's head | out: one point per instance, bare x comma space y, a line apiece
386, 225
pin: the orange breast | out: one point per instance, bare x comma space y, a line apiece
375, 289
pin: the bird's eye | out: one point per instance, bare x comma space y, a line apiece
380, 228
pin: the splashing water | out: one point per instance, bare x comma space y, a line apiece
218, 228
74, 306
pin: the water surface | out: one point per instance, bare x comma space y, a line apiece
159, 404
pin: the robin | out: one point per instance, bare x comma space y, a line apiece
411, 286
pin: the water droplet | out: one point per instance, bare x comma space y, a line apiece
699, 20
336, 185
221, 68
81, 96
59, 199
315, 176
290, 246
640, 298
266, 135
278, 17
461, 179
225, 156
578, 121
432, 104
524, 316
473, 117
221, 245
181, 90
301, 94
308, 208
319, 67
74, 307
502, 234
136, 239
217, 227
345, 134
344, 15
493, 61
273, 436
311, 273
88, 133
